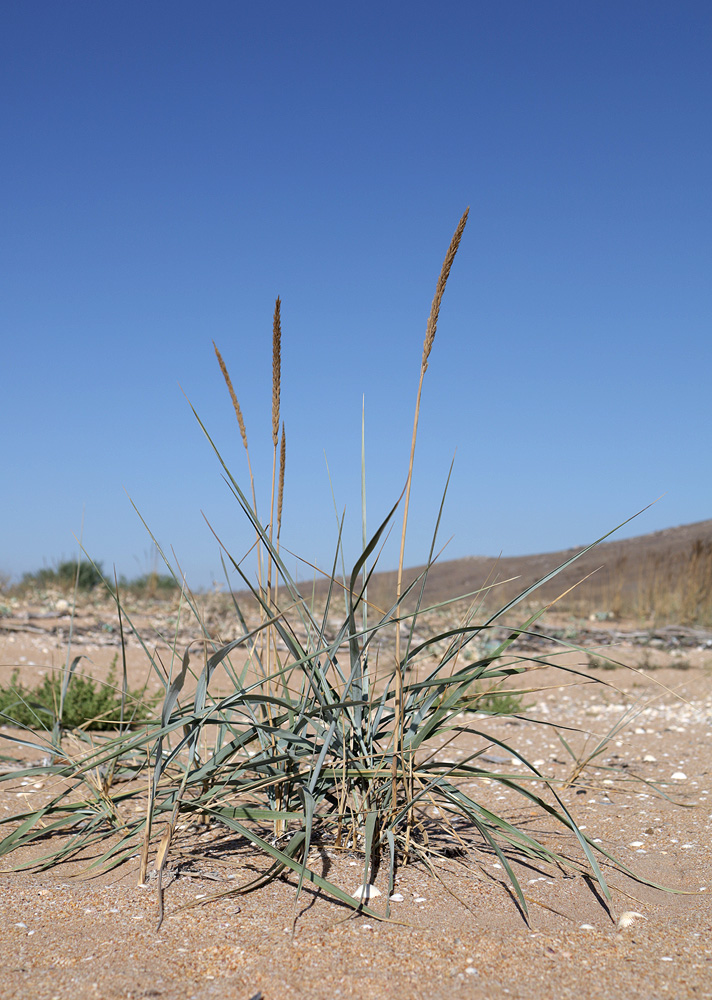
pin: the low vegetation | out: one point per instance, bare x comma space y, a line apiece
85, 576
66, 576
85, 704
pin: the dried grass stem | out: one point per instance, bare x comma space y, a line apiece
280, 489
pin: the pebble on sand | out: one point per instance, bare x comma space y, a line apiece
367, 891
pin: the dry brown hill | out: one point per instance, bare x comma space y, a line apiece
666, 576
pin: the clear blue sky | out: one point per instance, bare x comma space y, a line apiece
169, 168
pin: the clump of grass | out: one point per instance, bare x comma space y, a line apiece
497, 701
320, 736
601, 662
87, 704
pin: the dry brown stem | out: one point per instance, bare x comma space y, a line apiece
280, 490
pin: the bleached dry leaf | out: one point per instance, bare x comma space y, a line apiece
163, 848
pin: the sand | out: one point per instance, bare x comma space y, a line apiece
457, 931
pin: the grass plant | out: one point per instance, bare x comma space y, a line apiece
297, 731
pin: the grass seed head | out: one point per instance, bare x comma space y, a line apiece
276, 369
233, 397
440, 290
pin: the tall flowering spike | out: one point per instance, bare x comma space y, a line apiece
276, 370
233, 397
440, 290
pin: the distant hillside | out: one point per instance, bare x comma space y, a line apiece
666, 575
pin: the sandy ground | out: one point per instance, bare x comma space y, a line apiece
457, 932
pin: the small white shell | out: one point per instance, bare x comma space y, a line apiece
679, 776
629, 917
397, 897
587, 927
367, 891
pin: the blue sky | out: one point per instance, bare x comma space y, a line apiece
169, 168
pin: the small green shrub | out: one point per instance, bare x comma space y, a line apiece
492, 701
88, 704
151, 585
86, 575
498, 701
600, 663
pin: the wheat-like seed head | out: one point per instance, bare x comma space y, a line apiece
233, 397
276, 369
440, 290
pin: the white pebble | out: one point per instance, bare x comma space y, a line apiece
636, 843
679, 776
650, 759
397, 897
587, 927
367, 891
471, 971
